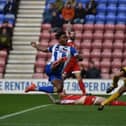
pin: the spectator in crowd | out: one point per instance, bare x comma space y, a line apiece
56, 22
93, 72
79, 14
68, 13
48, 13
72, 2
8, 28
91, 7
59, 5
5, 41
11, 6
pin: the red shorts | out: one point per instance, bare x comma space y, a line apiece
72, 66
89, 100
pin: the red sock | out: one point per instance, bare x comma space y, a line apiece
118, 103
82, 87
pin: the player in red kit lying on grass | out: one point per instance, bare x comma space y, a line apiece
83, 100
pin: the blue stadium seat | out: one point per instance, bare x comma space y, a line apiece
114, 2
100, 19
2, 7
110, 19
121, 9
102, 1
83, 1
1, 19
122, 2
112, 9
10, 18
3, 1
90, 19
101, 9
121, 19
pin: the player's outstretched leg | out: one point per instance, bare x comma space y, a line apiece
32, 87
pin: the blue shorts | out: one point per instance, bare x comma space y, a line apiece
53, 75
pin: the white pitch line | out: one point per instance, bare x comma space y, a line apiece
23, 111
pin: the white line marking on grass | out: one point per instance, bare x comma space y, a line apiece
23, 111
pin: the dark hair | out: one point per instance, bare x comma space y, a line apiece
58, 34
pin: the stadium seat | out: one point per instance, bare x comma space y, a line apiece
119, 35
1, 19
124, 62
96, 53
41, 54
40, 63
52, 42
121, 19
101, 9
116, 63
102, 1
37, 75
3, 1
105, 76
121, 9
44, 44
45, 35
90, 19
2, 69
112, 2
111, 9
105, 66
46, 27
118, 44
106, 54
107, 44
3, 53
77, 44
109, 35
67, 26
99, 27
2, 6
86, 44
78, 27
98, 35
78, 35
111, 18
122, 2
117, 53
10, 18
39, 69
1, 75
124, 54
89, 27
87, 35
84, 63
85, 53
100, 19
97, 44
109, 27
120, 27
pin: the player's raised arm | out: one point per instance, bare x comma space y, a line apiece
38, 47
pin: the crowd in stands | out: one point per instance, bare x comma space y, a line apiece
8, 11
59, 12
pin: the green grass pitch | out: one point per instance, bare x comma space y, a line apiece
37, 110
